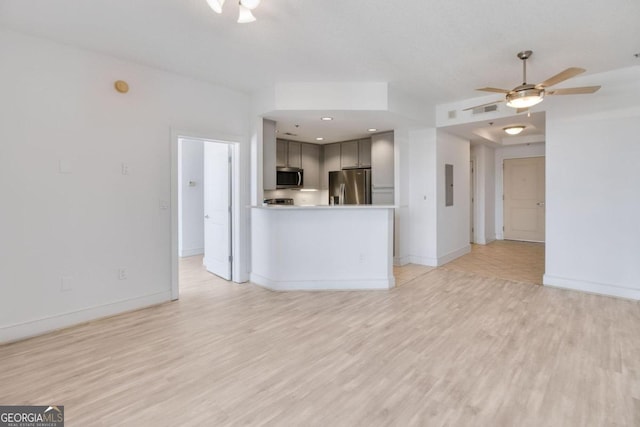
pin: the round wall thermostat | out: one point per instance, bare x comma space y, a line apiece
121, 86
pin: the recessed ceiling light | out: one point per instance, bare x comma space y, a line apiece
513, 130
372, 129
326, 119
319, 139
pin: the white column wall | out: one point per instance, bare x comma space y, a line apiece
423, 194
453, 221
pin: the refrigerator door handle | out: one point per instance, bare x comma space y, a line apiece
367, 188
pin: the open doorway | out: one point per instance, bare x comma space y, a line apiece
205, 207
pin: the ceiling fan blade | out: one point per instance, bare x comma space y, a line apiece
484, 105
493, 89
573, 90
560, 77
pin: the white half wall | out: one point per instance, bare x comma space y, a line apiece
190, 197
593, 187
86, 180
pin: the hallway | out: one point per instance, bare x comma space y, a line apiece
504, 259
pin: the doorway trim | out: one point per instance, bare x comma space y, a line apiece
234, 141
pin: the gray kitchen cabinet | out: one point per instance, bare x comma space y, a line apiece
310, 161
281, 152
288, 154
349, 154
356, 154
364, 153
294, 155
331, 162
382, 161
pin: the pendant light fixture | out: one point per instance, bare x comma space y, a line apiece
245, 8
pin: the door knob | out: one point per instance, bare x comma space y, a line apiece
540, 203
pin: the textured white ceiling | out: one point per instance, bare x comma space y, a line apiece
439, 51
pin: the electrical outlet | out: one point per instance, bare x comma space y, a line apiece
122, 274
124, 169
163, 205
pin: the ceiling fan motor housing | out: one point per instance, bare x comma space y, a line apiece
525, 96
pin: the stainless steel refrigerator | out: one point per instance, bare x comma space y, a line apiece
350, 187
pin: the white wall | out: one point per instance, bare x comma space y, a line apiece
422, 201
453, 221
69, 214
593, 188
501, 154
191, 197
402, 195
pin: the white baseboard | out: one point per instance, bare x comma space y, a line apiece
401, 260
33, 328
454, 254
324, 285
420, 260
591, 287
191, 252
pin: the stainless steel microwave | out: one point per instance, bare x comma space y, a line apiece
289, 178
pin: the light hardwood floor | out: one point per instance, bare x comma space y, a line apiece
505, 259
447, 348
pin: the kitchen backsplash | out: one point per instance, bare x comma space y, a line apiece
300, 197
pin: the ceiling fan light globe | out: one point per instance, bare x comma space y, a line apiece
216, 5
525, 98
250, 4
245, 16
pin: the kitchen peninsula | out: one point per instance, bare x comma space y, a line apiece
345, 247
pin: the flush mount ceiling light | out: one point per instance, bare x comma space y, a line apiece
372, 129
319, 139
245, 6
326, 119
513, 130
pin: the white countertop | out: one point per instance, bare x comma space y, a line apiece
322, 207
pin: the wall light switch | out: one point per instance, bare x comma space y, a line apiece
66, 284
64, 166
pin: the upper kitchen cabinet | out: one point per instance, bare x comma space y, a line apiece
310, 154
288, 154
331, 162
382, 160
356, 154
364, 153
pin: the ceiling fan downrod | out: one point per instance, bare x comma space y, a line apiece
524, 55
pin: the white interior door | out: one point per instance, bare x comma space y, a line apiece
217, 209
524, 210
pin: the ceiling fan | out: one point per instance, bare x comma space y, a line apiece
527, 95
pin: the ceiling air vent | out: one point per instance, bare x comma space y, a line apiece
485, 109
452, 114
